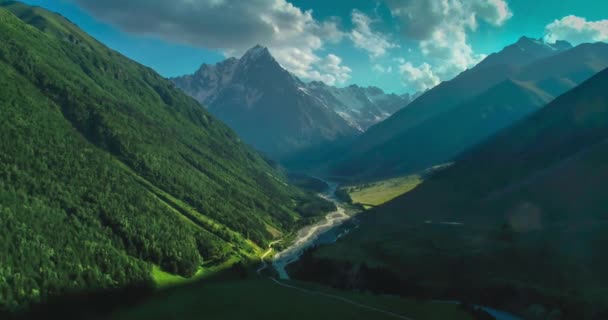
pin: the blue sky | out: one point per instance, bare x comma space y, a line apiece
397, 45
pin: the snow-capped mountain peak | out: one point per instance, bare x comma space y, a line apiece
277, 112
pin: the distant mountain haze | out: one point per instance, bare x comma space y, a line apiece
279, 114
494, 69
477, 104
361, 107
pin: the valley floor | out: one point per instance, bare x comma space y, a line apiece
376, 193
259, 298
235, 295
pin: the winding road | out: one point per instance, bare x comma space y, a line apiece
264, 265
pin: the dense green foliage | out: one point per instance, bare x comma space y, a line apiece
106, 169
518, 223
343, 196
307, 182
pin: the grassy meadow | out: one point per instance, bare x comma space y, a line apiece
379, 192
259, 298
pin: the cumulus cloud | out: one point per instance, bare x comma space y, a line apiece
422, 18
442, 27
231, 26
419, 78
331, 71
576, 30
363, 37
308, 65
450, 52
382, 69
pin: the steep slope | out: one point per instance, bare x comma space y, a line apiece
444, 135
205, 84
107, 169
265, 104
490, 72
519, 222
568, 69
447, 135
524, 51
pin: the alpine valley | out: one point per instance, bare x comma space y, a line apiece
243, 191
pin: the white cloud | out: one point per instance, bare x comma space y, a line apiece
331, 71
230, 26
308, 65
382, 69
331, 32
419, 78
363, 37
450, 52
422, 18
442, 27
576, 30
495, 12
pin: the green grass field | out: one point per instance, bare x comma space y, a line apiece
260, 298
164, 280
377, 193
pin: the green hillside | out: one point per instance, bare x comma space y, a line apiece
107, 170
519, 223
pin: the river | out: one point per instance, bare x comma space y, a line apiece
310, 235
321, 233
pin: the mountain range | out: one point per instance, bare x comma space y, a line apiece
517, 223
460, 113
279, 114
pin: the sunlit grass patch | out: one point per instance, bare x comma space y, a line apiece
380, 192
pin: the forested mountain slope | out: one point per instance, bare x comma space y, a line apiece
106, 169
